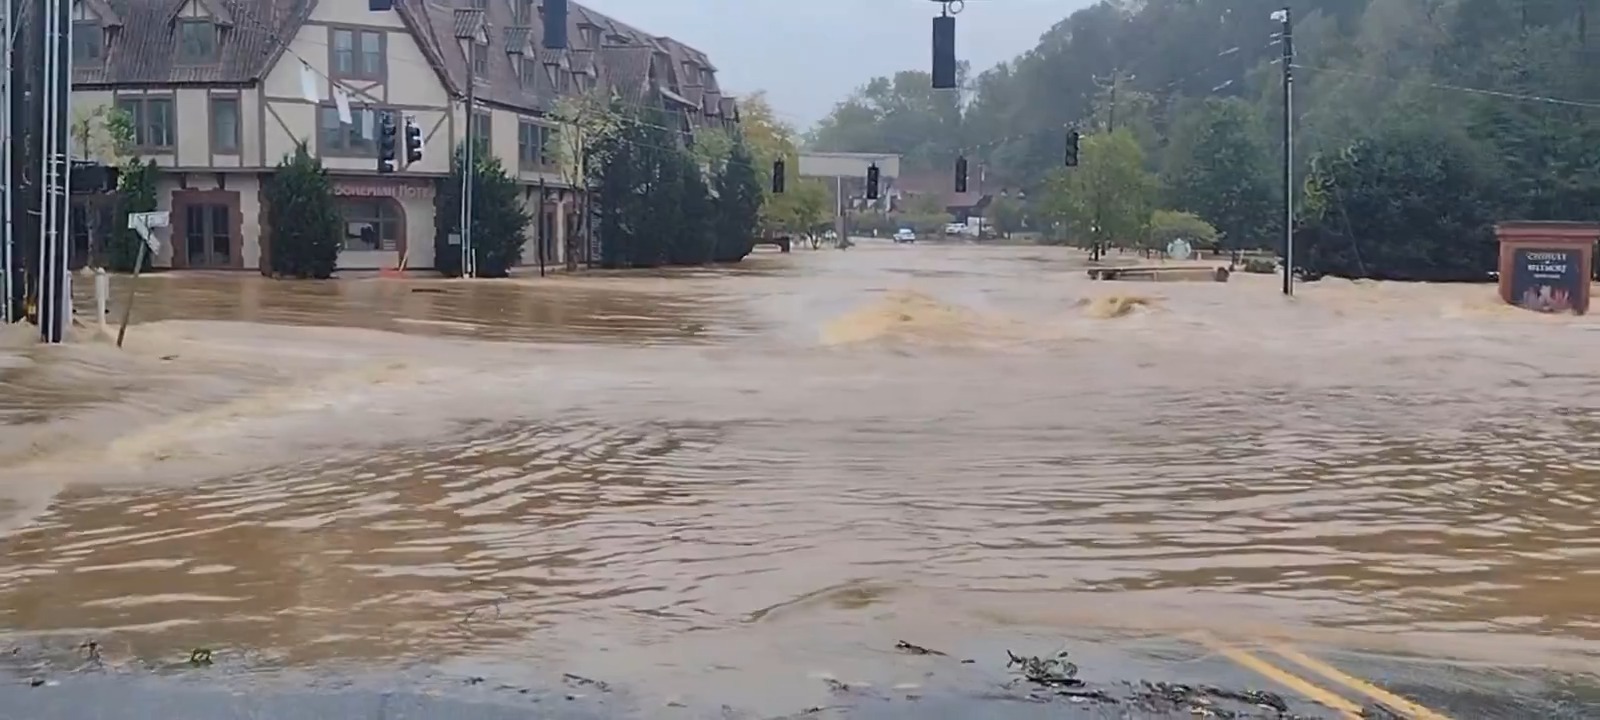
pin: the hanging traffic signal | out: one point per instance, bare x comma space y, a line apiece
555, 24
872, 182
413, 140
961, 174
944, 52
386, 133
777, 177
1072, 148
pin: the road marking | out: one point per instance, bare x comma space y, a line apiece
1389, 699
1315, 693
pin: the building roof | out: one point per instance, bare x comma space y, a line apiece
142, 49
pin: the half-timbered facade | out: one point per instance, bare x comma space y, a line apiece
220, 90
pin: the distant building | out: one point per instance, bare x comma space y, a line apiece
215, 89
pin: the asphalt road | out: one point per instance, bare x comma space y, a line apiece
1157, 680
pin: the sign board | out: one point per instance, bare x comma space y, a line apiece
145, 223
1179, 249
399, 191
1546, 279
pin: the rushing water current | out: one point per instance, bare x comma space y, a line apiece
684, 472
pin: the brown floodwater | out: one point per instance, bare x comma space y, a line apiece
687, 475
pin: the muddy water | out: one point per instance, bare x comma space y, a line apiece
691, 476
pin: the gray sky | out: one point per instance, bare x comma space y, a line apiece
809, 54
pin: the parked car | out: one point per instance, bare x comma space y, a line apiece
955, 229
905, 235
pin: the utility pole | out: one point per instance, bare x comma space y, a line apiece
54, 294
10, 280
468, 166
1287, 38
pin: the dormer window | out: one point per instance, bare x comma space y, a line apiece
591, 36
529, 72
88, 42
689, 72
197, 41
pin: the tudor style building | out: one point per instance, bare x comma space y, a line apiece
220, 90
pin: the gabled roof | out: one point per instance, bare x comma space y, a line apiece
143, 51
220, 14
108, 15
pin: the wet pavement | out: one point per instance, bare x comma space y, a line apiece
721, 487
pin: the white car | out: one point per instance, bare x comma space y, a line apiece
955, 229
905, 235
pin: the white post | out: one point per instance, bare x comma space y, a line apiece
102, 295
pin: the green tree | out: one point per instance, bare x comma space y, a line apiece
1217, 169
105, 134
582, 120
1169, 225
1005, 214
302, 218
136, 193
1407, 204
739, 200
1106, 199
499, 222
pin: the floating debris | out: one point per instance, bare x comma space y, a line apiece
200, 657
904, 646
1054, 672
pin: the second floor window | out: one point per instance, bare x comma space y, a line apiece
152, 121
197, 42
225, 125
530, 138
358, 54
358, 138
88, 42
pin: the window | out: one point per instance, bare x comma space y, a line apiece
480, 128
358, 54
197, 42
480, 60
531, 152
357, 139
582, 82
548, 145
88, 42
152, 121
372, 223
591, 36
525, 12
530, 73
206, 235
225, 125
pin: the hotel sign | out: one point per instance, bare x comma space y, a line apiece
399, 191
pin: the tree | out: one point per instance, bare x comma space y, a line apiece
1217, 169
305, 225
1169, 225
499, 223
1005, 214
1106, 199
136, 193
1407, 204
901, 114
739, 200
582, 118
105, 134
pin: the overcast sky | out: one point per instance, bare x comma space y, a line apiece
809, 54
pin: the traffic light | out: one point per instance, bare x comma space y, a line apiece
944, 52
555, 24
386, 132
872, 182
413, 140
777, 177
1072, 148
961, 174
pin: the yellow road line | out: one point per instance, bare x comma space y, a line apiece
1320, 695
1393, 701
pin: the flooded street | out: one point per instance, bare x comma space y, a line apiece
715, 482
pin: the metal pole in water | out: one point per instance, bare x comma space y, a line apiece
102, 295
1288, 151
8, 275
